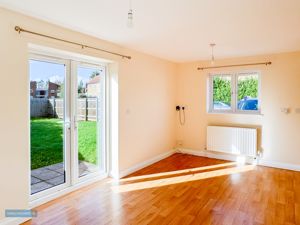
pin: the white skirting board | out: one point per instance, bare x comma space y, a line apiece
216, 155
208, 154
262, 162
144, 164
280, 165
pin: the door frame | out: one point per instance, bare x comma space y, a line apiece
70, 156
102, 148
66, 127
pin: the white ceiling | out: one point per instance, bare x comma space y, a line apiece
179, 30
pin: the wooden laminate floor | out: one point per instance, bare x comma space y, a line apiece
183, 189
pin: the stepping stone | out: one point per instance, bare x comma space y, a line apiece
40, 187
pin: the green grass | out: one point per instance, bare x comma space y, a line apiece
47, 142
87, 141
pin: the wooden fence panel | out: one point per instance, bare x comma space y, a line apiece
41, 107
58, 105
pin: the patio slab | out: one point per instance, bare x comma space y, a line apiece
86, 168
40, 187
60, 170
35, 180
39, 171
57, 180
47, 175
55, 166
53, 175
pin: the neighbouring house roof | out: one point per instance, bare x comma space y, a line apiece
95, 80
57, 85
34, 83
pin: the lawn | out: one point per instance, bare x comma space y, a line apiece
47, 142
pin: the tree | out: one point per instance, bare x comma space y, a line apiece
81, 87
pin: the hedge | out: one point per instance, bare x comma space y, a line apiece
246, 87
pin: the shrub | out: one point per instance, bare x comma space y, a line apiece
222, 89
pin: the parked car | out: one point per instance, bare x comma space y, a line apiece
248, 104
221, 105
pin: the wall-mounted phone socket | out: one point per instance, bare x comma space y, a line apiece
180, 107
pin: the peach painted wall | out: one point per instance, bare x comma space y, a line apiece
146, 96
148, 88
279, 134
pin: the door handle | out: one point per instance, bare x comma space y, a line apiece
68, 125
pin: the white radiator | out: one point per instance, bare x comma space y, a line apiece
233, 140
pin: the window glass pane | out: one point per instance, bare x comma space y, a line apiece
247, 98
222, 92
89, 118
47, 118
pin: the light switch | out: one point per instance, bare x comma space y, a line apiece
285, 110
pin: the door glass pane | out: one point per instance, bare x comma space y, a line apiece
47, 124
89, 104
222, 92
248, 91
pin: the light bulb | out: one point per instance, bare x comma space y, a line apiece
212, 62
130, 19
212, 45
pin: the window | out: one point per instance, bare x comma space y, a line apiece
234, 92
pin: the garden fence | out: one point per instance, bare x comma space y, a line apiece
54, 108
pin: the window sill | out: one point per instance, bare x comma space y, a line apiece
236, 113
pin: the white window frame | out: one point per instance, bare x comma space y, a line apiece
47, 192
101, 154
234, 93
72, 182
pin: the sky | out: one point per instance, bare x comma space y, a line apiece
40, 70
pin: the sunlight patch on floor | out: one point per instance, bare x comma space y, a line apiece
178, 172
180, 179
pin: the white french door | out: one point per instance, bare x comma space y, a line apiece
88, 119
67, 121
